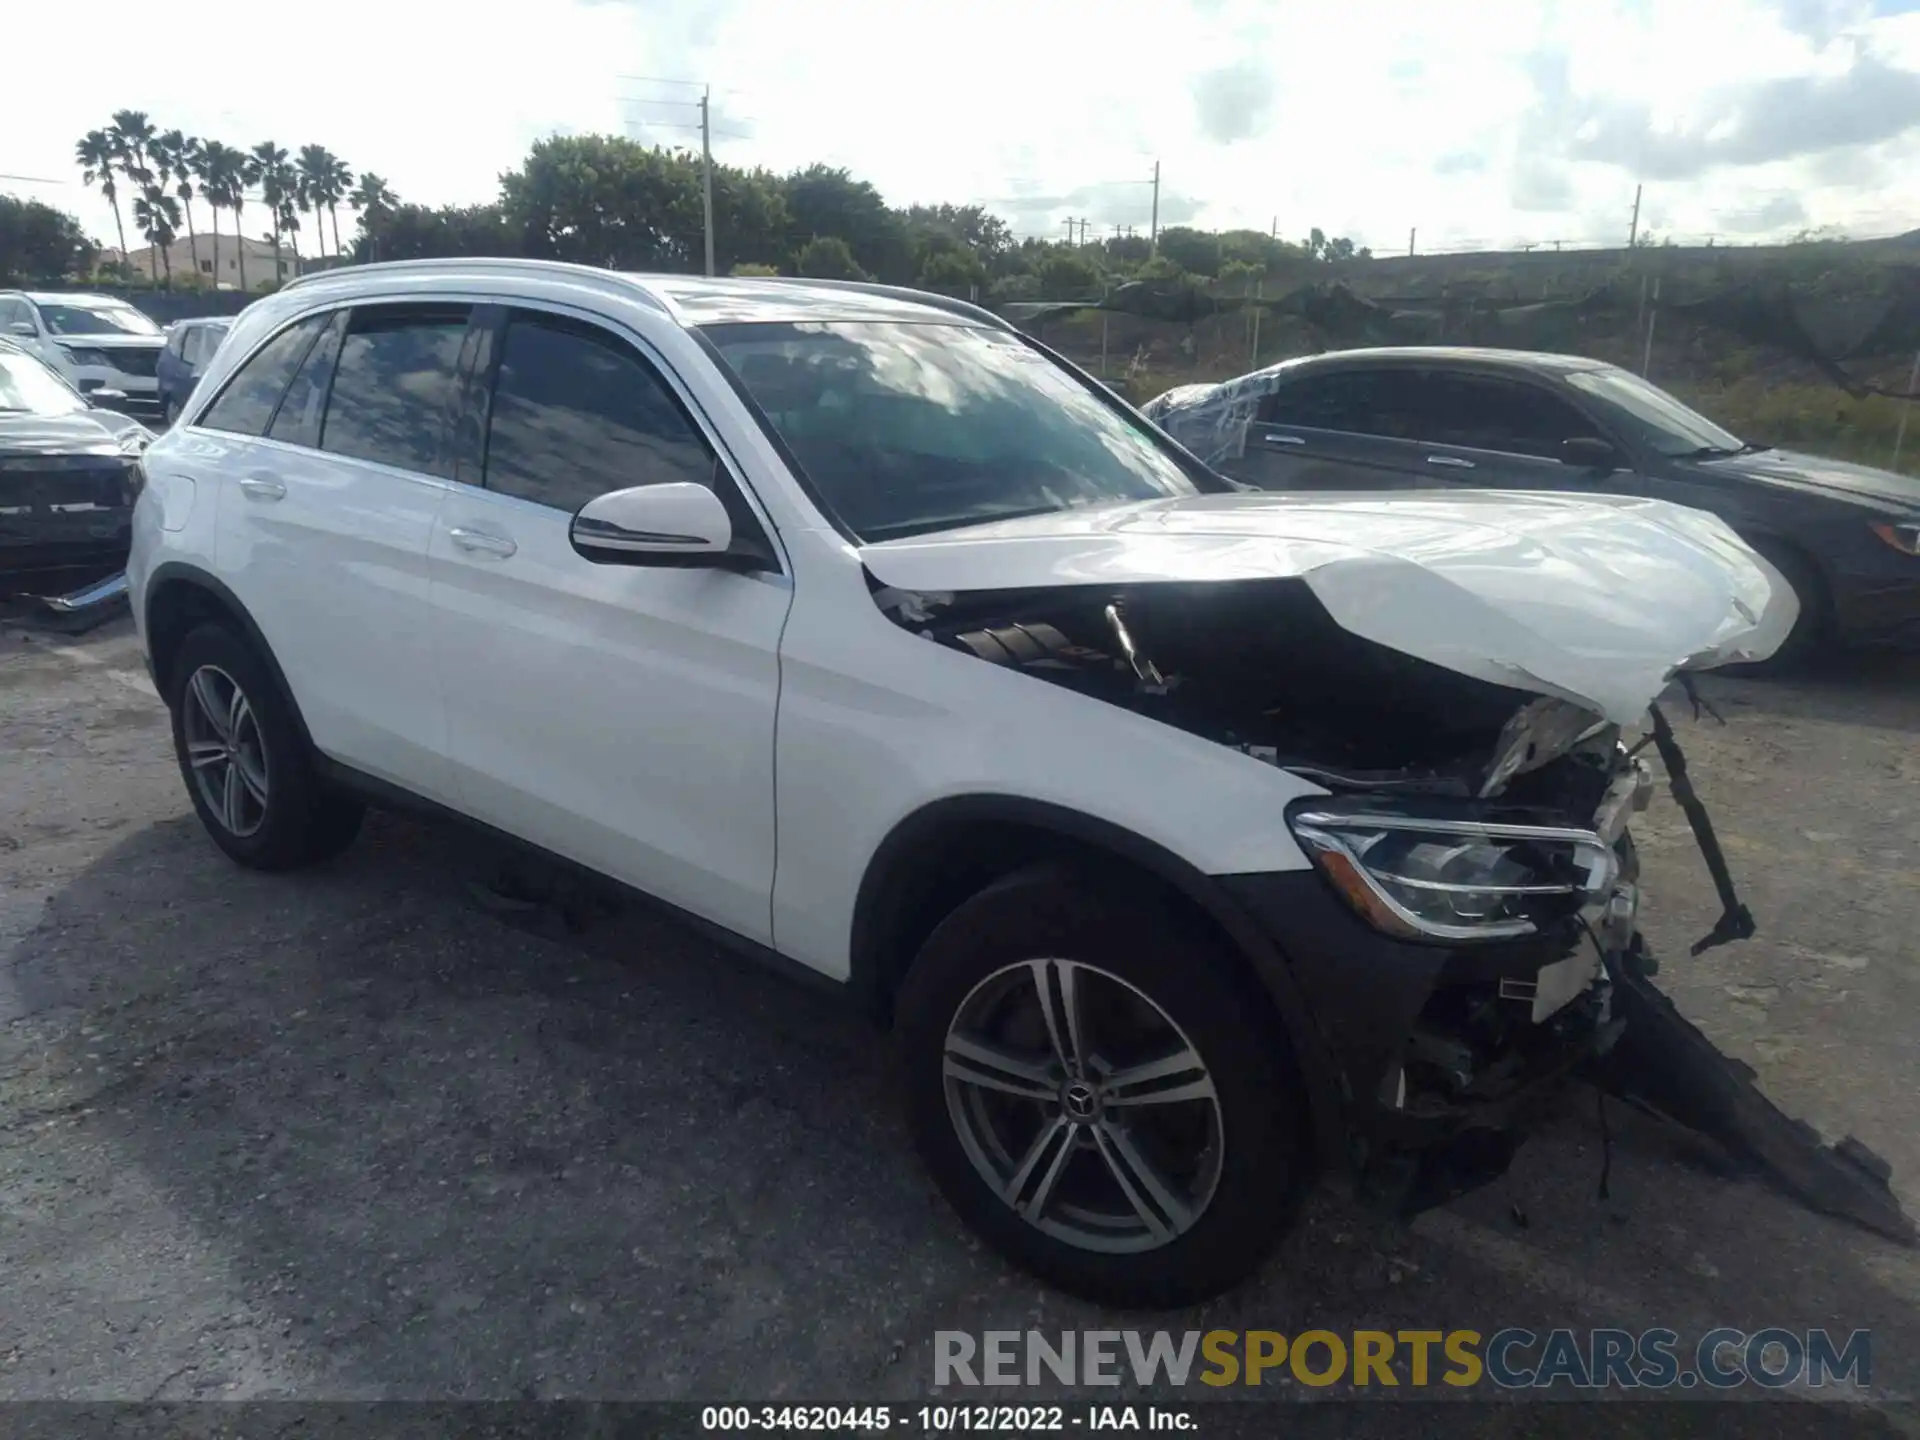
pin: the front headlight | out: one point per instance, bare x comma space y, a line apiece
1902, 535
1446, 879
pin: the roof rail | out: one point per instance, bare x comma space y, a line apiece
928, 298
508, 263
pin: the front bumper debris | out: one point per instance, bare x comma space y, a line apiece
77, 610
1449, 1056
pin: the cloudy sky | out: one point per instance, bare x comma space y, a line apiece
1490, 123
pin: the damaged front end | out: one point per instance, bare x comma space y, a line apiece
1467, 939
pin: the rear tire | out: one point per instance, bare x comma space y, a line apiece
1152, 1192
169, 412
245, 760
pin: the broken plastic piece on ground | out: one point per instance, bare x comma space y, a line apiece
100, 592
1663, 1062
77, 611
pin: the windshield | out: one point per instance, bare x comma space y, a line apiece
908, 428
27, 385
96, 320
1661, 422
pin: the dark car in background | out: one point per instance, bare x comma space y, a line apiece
1847, 537
69, 471
183, 360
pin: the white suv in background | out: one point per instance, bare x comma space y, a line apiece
1194, 840
98, 343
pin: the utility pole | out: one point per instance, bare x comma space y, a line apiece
1633, 230
1274, 233
1153, 237
1410, 234
706, 165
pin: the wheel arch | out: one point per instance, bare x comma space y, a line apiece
180, 596
950, 849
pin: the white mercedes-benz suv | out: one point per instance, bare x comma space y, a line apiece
1194, 841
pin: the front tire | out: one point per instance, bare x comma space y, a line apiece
1811, 639
1095, 1094
245, 762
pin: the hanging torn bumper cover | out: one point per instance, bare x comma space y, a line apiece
1453, 674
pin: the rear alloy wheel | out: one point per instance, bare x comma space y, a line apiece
227, 756
1097, 1094
169, 412
245, 759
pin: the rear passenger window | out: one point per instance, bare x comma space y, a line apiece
576, 412
298, 421
393, 386
1385, 403
246, 405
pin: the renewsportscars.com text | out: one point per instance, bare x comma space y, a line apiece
1511, 1358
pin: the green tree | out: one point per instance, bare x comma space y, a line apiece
1068, 275
97, 158
1195, 251
38, 242
822, 200
955, 271
828, 257
606, 200
415, 232
373, 202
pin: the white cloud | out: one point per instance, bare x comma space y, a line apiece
1505, 120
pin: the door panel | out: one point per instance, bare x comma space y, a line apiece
1341, 429
330, 557
620, 715
329, 552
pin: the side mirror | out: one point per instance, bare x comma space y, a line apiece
22, 327
1587, 452
674, 524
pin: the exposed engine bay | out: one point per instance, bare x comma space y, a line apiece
1480, 829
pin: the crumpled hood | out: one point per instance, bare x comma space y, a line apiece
1596, 599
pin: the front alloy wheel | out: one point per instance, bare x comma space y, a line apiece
225, 750
1084, 1106
1099, 1090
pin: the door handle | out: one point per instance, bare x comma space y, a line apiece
1451, 461
478, 542
1282, 440
262, 487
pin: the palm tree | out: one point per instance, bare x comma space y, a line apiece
269, 168
158, 216
132, 136
96, 157
315, 167
223, 172
375, 201
290, 212
339, 184
188, 156
160, 161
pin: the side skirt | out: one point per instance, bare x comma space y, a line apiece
554, 876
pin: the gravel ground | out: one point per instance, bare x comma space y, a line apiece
346, 1135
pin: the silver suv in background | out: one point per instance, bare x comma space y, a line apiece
106, 348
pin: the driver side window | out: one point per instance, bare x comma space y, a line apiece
577, 412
